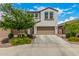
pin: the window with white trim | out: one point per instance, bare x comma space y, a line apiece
48, 15
51, 15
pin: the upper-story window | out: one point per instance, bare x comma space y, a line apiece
46, 15
51, 15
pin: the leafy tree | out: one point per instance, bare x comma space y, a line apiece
16, 19
72, 27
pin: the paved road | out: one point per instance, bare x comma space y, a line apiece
43, 45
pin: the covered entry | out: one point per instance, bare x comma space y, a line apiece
45, 30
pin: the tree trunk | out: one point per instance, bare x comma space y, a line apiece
21, 33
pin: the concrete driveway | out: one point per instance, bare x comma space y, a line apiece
43, 45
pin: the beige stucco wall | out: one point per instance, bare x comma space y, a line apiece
48, 22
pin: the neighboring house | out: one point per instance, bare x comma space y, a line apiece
46, 22
61, 28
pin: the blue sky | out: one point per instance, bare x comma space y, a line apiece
67, 11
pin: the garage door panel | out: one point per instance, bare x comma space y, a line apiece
45, 30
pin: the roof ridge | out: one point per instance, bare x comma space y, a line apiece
44, 9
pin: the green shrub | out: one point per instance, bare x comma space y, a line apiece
10, 35
30, 36
67, 35
73, 39
23, 35
73, 34
20, 41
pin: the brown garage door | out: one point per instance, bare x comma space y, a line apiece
45, 30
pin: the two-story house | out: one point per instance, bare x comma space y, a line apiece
46, 22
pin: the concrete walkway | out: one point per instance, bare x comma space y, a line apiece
43, 45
